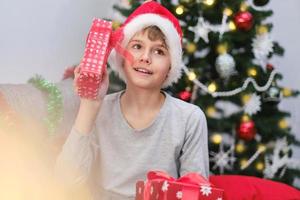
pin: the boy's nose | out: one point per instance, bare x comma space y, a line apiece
145, 57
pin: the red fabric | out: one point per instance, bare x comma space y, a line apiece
161, 186
153, 7
237, 187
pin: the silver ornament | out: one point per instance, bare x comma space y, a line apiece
225, 65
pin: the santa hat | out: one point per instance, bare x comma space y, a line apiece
152, 14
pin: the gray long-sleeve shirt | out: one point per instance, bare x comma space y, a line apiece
115, 155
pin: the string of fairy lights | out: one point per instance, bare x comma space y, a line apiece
211, 88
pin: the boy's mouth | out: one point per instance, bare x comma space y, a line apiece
143, 70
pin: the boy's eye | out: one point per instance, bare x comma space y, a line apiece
136, 46
159, 52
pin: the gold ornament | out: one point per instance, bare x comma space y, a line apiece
208, 2
252, 72
191, 47
259, 166
227, 11
245, 118
232, 26
115, 24
192, 76
216, 138
240, 147
286, 92
222, 48
179, 10
262, 29
244, 7
210, 111
212, 87
283, 124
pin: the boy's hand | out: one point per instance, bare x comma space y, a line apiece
89, 108
102, 88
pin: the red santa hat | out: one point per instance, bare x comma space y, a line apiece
152, 13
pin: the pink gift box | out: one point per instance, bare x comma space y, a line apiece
192, 186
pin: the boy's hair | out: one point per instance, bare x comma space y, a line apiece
154, 33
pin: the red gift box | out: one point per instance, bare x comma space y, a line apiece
100, 41
161, 186
93, 63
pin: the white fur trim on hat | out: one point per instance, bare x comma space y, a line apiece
173, 41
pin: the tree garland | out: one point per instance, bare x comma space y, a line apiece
54, 105
236, 90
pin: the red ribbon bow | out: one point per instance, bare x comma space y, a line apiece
115, 42
116, 38
190, 182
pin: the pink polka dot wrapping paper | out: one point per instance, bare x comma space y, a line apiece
93, 63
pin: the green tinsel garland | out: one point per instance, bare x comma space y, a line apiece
55, 104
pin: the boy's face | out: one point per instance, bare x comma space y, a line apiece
151, 62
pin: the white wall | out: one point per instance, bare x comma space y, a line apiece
286, 21
44, 37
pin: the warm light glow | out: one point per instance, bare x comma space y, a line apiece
261, 147
246, 98
208, 2
283, 124
222, 48
243, 162
179, 10
252, 72
259, 166
286, 92
262, 30
232, 26
227, 11
28, 156
216, 138
212, 87
192, 76
210, 111
191, 47
244, 6
240, 147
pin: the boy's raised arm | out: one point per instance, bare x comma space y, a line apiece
74, 163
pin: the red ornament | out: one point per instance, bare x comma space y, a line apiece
243, 20
69, 73
246, 130
185, 95
270, 67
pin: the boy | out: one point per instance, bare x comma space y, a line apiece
121, 136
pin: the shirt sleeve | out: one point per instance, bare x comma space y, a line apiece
74, 163
194, 153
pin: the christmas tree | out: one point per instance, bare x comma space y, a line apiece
227, 48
